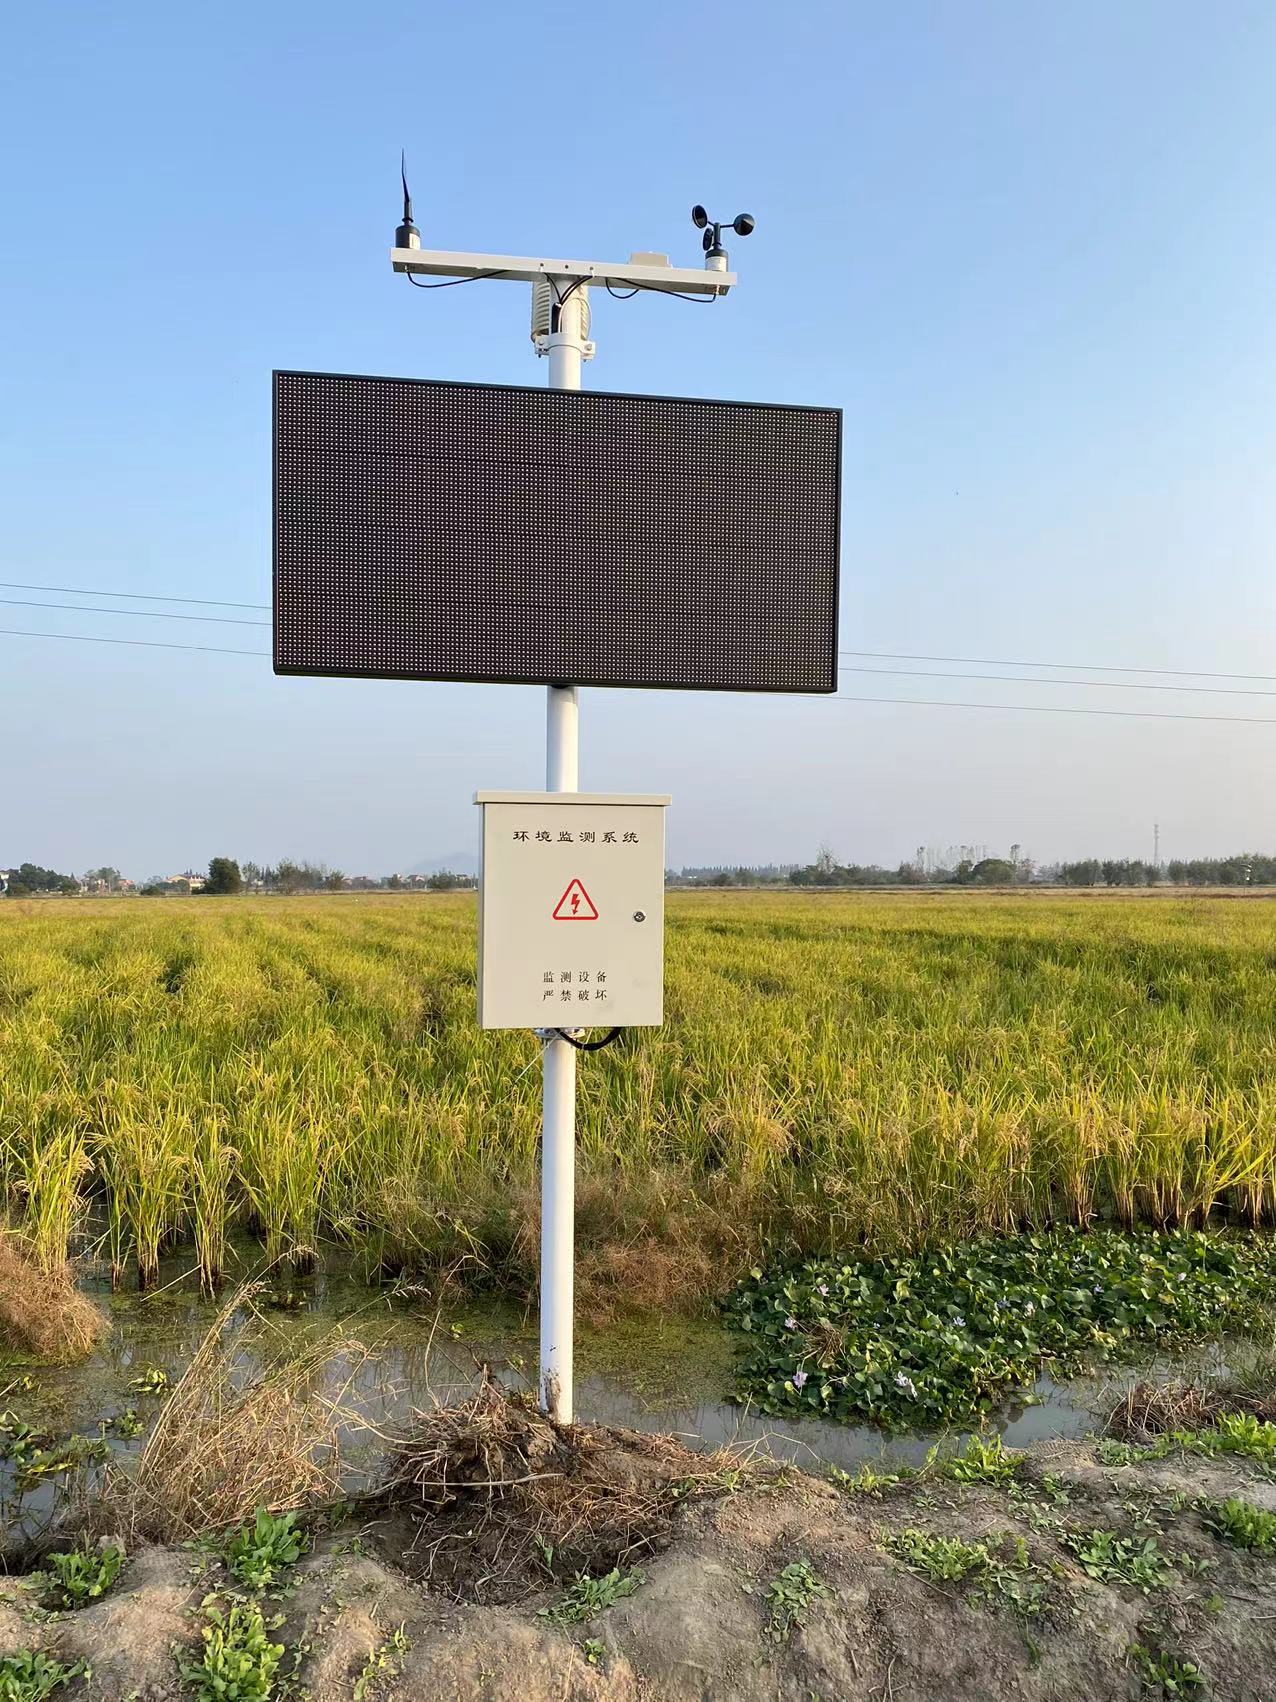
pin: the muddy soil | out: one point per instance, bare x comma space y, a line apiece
705, 1623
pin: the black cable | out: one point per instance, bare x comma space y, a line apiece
589, 1045
451, 283
152, 614
619, 295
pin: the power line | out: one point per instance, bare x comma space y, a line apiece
138, 614
1060, 709
840, 697
1091, 667
1035, 680
132, 596
145, 643
871, 655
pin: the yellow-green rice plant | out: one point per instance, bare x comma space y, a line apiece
53, 1204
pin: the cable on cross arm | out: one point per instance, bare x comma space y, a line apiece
450, 283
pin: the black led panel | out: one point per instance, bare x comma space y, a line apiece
436, 531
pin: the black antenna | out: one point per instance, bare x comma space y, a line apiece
407, 235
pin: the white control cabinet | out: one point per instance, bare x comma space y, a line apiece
571, 910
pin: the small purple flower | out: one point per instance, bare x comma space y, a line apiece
790, 1323
822, 1288
1098, 1288
799, 1377
906, 1383
959, 1322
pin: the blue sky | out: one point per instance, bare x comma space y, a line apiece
1030, 250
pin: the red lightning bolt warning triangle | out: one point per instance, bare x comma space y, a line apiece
575, 906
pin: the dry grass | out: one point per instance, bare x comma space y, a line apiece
42, 1312
505, 1500
225, 1444
1149, 1410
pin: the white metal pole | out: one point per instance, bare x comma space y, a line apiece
558, 1092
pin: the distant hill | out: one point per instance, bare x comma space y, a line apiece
455, 863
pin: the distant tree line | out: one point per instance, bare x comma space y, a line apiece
226, 876
30, 877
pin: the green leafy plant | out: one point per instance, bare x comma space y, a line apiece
258, 1553
27, 1677
1244, 1525
1112, 1559
35, 1463
152, 1381
82, 1575
868, 1480
1165, 1673
983, 1460
940, 1337
127, 1424
789, 1595
944, 1560
594, 1651
239, 1660
1009, 1578
381, 1663
588, 1596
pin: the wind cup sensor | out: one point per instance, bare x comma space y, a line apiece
715, 255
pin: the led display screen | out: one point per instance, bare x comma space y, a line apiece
442, 531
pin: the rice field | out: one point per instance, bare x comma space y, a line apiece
836, 1072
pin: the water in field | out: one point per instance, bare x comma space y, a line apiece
657, 1375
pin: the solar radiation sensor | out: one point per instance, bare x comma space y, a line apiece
440, 531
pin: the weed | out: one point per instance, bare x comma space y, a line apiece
983, 1460
1111, 1559
82, 1575
789, 1595
127, 1424
239, 1661
588, 1596
152, 1381
27, 1677
594, 1651
259, 1552
1164, 1673
944, 1560
381, 1663
1013, 1581
868, 1480
1243, 1525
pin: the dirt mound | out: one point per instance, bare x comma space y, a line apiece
780, 1591
489, 1500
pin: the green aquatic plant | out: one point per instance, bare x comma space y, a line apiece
938, 1338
